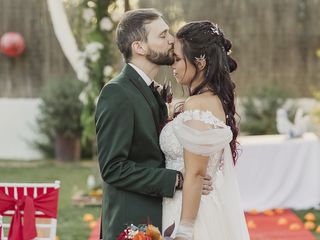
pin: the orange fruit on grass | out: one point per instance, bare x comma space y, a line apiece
282, 221
254, 211
268, 212
88, 217
279, 210
318, 229
251, 224
310, 217
294, 227
309, 225
92, 224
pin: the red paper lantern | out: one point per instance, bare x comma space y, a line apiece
12, 44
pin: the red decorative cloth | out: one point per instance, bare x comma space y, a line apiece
46, 203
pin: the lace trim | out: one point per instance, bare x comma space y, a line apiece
204, 116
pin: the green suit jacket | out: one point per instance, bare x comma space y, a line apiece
131, 163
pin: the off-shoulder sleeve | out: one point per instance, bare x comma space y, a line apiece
200, 132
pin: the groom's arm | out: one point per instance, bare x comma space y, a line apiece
114, 128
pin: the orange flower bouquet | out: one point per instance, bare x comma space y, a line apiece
145, 232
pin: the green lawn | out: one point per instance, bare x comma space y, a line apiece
316, 212
73, 177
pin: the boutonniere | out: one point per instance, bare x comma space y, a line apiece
165, 91
174, 107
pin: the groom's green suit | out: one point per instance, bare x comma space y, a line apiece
130, 159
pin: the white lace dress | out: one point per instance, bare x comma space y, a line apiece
220, 215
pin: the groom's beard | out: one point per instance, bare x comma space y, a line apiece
160, 58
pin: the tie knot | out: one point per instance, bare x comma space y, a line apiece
152, 87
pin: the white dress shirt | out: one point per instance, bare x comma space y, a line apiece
142, 74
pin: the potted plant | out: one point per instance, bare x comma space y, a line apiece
59, 118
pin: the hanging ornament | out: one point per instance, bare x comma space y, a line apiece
12, 44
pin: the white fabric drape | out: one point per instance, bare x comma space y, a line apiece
65, 36
277, 172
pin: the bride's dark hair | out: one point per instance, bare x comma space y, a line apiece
204, 39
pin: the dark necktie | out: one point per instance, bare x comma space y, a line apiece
163, 112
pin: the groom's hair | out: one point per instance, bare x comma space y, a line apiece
132, 28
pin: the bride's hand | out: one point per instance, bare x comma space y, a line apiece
207, 185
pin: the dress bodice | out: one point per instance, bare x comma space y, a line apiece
176, 136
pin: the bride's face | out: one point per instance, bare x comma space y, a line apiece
182, 69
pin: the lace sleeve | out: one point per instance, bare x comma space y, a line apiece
200, 132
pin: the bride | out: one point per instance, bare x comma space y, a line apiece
202, 139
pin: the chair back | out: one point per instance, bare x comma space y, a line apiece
46, 225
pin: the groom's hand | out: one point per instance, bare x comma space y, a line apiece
207, 185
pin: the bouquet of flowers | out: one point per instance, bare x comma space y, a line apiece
145, 232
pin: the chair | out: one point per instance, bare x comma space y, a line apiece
1, 237
36, 203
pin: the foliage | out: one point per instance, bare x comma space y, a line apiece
316, 111
260, 111
60, 112
99, 18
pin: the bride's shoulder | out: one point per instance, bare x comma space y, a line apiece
204, 103
205, 109
193, 103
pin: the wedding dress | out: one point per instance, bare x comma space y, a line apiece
220, 215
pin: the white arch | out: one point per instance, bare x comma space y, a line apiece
65, 36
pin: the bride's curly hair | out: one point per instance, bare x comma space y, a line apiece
205, 39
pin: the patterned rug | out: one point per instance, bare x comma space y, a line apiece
270, 225
95, 233
277, 225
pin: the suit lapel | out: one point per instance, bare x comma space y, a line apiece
145, 91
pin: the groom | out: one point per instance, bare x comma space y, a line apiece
128, 118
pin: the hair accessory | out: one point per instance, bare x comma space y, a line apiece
215, 29
201, 58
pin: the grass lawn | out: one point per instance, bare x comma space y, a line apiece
72, 177
317, 213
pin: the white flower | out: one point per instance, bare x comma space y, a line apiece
106, 24
83, 97
116, 15
83, 74
93, 50
88, 14
93, 47
94, 57
107, 70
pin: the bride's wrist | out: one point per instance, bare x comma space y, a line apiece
185, 229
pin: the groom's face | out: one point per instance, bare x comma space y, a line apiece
159, 43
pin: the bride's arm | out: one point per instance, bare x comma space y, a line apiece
195, 172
